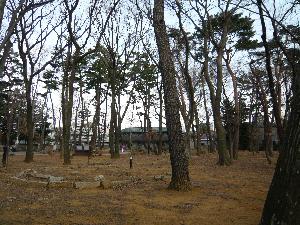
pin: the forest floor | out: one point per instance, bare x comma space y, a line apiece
232, 195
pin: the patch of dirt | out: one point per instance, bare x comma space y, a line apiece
231, 195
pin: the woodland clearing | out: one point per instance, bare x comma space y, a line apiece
232, 195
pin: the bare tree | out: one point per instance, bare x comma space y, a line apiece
236, 122
219, 41
120, 49
186, 85
77, 42
276, 106
31, 51
13, 13
267, 123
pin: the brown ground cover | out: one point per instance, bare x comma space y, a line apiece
231, 195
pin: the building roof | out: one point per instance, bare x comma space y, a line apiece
141, 129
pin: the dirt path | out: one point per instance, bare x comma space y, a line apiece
221, 195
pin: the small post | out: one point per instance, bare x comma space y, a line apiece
130, 162
5, 155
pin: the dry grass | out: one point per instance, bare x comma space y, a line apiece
220, 196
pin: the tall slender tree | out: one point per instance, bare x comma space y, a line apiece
31, 55
179, 161
274, 97
282, 203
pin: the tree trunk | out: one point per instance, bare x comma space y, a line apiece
113, 127
198, 133
229, 141
2, 6
189, 88
5, 55
87, 135
67, 134
184, 114
54, 120
236, 122
211, 145
75, 124
268, 139
60, 131
112, 133
276, 106
253, 139
220, 131
159, 151
82, 113
221, 140
29, 124
282, 203
44, 121
67, 103
180, 179
111, 138
10, 112
116, 154
267, 124
96, 119
29, 107
149, 126
42, 138
215, 97
104, 123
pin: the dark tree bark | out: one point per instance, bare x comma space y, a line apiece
43, 121
2, 6
105, 121
179, 161
220, 131
82, 112
114, 139
160, 116
185, 115
282, 203
67, 104
87, 134
253, 114
29, 122
267, 124
197, 134
113, 144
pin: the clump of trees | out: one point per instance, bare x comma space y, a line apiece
209, 71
